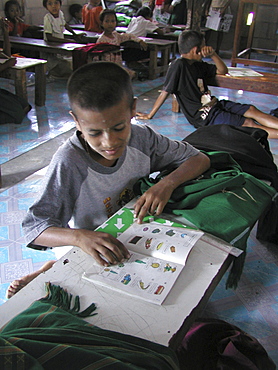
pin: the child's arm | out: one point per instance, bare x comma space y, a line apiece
51, 38
10, 62
221, 68
130, 37
76, 37
158, 103
6, 42
95, 243
156, 197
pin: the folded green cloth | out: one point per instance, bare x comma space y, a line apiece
46, 336
224, 201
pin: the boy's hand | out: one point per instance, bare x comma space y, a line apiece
4, 24
10, 62
142, 115
152, 201
99, 245
207, 51
143, 45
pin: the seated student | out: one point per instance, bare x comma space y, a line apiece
12, 107
187, 78
104, 158
108, 21
54, 26
142, 23
75, 11
178, 11
90, 16
17, 27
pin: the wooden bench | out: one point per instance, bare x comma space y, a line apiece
18, 74
266, 84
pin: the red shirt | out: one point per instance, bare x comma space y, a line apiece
21, 27
90, 18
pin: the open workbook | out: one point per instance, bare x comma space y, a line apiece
158, 255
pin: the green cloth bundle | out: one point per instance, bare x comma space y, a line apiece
49, 337
224, 202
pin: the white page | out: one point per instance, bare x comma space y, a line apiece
160, 240
145, 277
241, 72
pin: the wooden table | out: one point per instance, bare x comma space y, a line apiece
161, 53
167, 48
206, 264
243, 57
18, 74
41, 46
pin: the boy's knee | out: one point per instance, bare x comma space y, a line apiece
249, 122
251, 111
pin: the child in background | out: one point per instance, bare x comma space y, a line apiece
75, 11
90, 16
142, 23
16, 25
187, 77
108, 21
54, 26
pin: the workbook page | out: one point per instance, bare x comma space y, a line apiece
141, 276
160, 241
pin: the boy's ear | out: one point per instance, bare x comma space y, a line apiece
194, 50
133, 109
75, 120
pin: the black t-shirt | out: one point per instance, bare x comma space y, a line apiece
188, 82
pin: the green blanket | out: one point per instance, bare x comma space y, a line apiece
46, 336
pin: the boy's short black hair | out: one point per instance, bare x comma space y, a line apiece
8, 4
188, 40
74, 8
99, 85
145, 12
44, 2
104, 12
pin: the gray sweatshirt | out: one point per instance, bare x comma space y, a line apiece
81, 193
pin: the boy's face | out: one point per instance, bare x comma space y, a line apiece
78, 15
14, 11
53, 6
106, 132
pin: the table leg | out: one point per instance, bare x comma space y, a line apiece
165, 58
20, 83
40, 84
153, 64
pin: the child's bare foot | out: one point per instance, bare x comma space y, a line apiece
18, 284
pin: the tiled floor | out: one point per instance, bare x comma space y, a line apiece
253, 306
